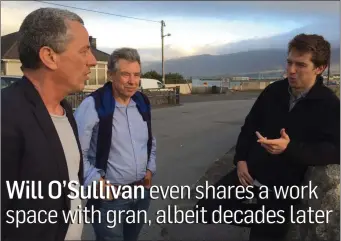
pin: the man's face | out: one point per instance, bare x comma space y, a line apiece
75, 62
126, 79
301, 71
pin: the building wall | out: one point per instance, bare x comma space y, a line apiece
11, 67
3, 66
184, 88
98, 74
252, 85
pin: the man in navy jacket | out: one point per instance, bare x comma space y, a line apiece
115, 133
294, 124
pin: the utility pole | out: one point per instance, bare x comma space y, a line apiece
162, 50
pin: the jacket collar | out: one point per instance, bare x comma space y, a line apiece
318, 91
109, 103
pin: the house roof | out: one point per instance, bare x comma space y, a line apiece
9, 48
100, 55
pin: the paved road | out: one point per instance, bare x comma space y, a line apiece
214, 97
190, 138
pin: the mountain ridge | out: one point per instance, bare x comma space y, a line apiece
250, 55
232, 64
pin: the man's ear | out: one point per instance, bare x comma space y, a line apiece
320, 69
48, 57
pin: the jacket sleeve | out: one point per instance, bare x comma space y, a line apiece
247, 134
151, 166
86, 119
325, 149
12, 148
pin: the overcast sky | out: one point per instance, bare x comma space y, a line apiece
192, 25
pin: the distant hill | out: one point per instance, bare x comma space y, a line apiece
252, 55
232, 64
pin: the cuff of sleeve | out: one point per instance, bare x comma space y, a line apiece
152, 170
101, 172
238, 158
96, 176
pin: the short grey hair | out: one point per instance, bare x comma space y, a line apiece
44, 27
128, 54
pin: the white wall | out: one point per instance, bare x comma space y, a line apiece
185, 89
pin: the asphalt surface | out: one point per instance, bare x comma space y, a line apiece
190, 138
197, 231
214, 97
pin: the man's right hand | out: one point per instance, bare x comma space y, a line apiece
104, 186
243, 174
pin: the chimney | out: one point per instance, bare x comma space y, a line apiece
92, 41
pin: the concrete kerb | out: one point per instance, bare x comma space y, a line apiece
195, 231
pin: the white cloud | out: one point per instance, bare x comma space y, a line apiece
187, 32
190, 35
12, 16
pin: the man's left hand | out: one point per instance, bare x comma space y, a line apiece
274, 146
148, 179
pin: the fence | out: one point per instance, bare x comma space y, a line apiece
209, 90
168, 96
76, 98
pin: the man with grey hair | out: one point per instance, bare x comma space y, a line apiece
114, 126
39, 139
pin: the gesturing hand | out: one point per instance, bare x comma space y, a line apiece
243, 174
274, 146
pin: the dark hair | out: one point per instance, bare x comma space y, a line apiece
43, 27
314, 44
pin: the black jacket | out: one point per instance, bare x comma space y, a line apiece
31, 150
313, 126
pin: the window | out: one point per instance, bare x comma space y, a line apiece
98, 75
92, 79
101, 66
101, 74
